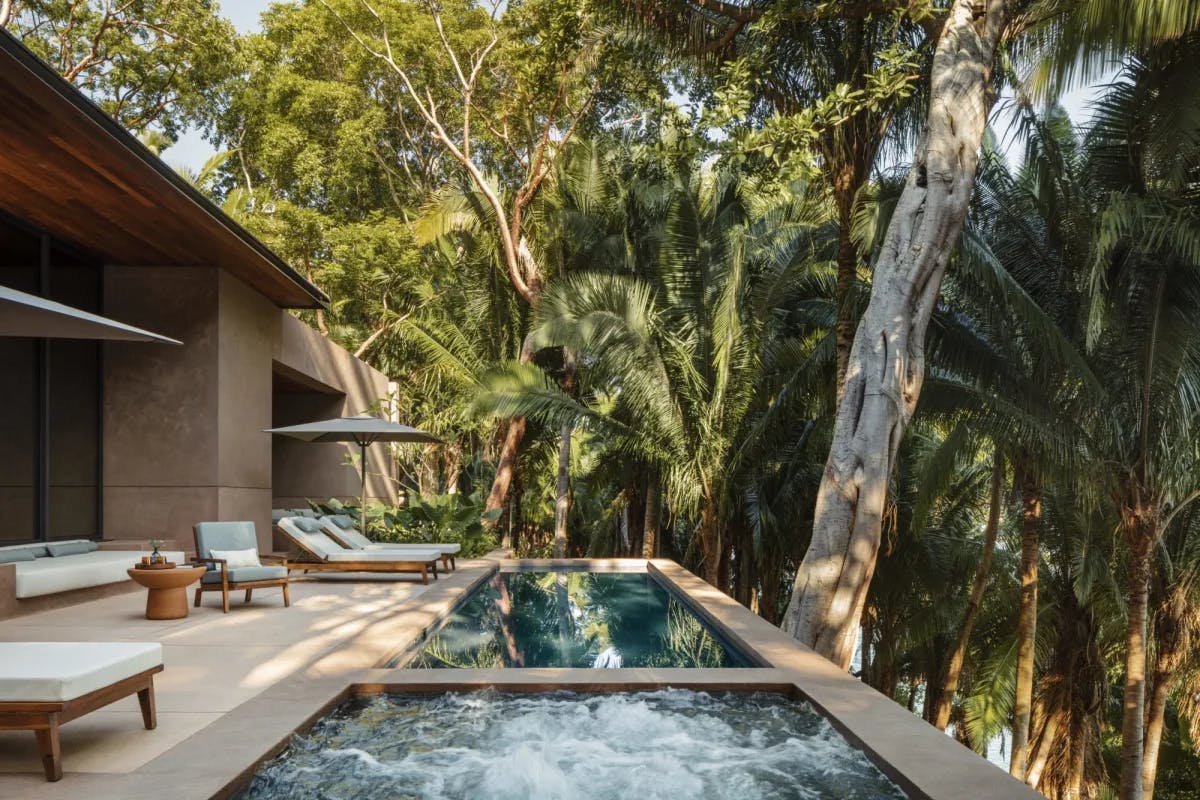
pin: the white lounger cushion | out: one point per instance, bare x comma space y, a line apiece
49, 575
400, 547
54, 672
333, 553
357, 541
419, 556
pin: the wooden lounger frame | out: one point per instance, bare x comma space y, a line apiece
44, 718
448, 562
319, 565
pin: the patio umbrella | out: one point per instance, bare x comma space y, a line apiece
24, 314
363, 431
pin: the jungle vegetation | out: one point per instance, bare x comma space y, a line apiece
762, 286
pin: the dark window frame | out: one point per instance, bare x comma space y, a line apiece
47, 245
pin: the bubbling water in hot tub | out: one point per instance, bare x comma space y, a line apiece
667, 744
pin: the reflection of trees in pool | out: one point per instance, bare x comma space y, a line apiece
572, 619
688, 642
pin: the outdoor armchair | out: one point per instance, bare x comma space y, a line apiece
224, 537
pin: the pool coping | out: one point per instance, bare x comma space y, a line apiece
923, 761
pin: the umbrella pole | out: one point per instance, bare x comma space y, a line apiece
362, 449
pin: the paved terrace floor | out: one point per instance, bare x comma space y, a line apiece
214, 663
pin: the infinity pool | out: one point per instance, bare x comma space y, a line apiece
571, 619
667, 744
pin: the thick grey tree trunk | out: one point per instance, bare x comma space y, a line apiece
887, 359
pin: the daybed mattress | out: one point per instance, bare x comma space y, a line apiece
54, 672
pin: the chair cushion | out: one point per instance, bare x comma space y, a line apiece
344, 533
44, 576
304, 540
307, 524
53, 672
72, 548
343, 521
238, 574
237, 558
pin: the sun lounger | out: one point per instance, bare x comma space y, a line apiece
46, 684
316, 551
340, 528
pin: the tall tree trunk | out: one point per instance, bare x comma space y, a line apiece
1171, 642
1045, 746
941, 716
710, 542
511, 448
562, 499
1031, 513
1140, 536
725, 573
653, 513
769, 580
887, 359
562, 496
1078, 745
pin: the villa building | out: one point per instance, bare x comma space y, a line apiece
119, 440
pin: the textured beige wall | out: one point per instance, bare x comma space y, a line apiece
249, 331
322, 381
184, 427
160, 403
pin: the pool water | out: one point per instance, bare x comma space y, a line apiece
572, 619
667, 744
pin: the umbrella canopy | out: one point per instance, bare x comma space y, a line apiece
24, 314
363, 430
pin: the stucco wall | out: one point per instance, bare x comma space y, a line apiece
160, 404
319, 380
184, 427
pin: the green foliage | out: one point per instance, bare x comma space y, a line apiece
151, 64
445, 518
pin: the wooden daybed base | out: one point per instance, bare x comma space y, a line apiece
44, 718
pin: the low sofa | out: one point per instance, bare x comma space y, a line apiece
33, 571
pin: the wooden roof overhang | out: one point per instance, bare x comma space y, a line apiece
71, 170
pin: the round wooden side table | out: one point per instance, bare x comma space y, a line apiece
167, 595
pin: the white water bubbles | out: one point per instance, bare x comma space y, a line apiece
561, 746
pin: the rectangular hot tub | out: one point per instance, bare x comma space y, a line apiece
670, 743
571, 618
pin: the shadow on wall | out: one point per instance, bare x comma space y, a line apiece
319, 470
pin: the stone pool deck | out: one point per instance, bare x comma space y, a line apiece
236, 687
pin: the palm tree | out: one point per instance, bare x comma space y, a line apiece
1143, 326
679, 341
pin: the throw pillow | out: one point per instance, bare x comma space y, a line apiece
237, 558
